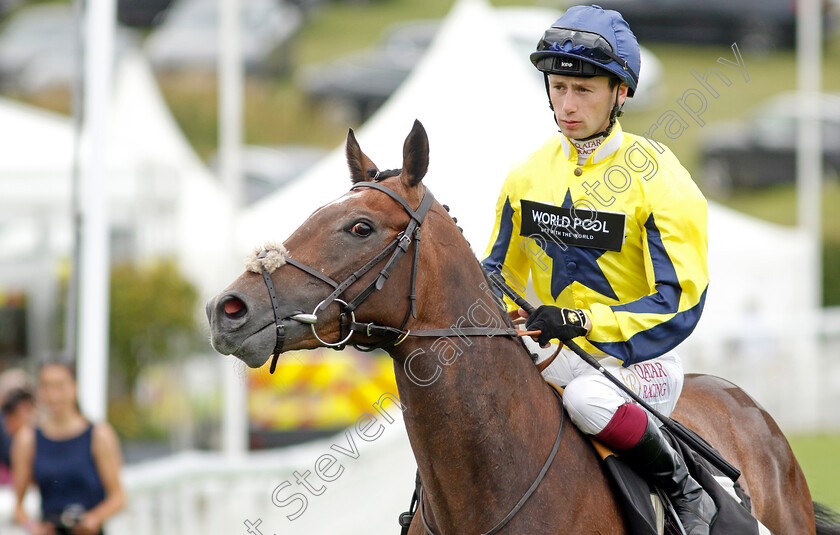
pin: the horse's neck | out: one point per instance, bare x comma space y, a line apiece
481, 430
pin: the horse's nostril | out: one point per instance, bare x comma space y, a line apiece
235, 308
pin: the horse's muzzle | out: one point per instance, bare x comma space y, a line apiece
231, 322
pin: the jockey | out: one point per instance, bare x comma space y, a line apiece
612, 231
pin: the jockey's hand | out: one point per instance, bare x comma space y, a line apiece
561, 323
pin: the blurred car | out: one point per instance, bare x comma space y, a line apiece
38, 48
32, 34
362, 81
267, 169
188, 37
761, 151
141, 13
756, 25
7, 6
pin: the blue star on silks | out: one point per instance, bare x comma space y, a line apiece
576, 264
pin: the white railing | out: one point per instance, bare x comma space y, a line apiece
791, 366
204, 493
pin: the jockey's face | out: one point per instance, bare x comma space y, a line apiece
582, 105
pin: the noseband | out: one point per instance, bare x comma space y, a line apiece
396, 249
390, 336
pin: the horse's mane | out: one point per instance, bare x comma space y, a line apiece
379, 176
497, 298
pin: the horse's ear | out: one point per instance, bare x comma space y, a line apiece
362, 169
415, 155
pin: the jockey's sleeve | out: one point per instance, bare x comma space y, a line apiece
675, 247
645, 298
508, 253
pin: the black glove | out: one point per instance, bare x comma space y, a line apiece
555, 322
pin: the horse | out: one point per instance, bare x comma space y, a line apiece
480, 419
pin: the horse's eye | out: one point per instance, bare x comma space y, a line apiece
361, 229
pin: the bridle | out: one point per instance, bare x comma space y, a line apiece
397, 248
391, 336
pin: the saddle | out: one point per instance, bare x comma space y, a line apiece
647, 510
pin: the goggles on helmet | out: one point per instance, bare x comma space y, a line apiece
589, 45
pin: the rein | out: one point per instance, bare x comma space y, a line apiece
396, 249
503, 522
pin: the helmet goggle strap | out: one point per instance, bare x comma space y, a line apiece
570, 66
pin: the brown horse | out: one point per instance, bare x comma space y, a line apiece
480, 418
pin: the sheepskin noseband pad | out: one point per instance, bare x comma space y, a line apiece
270, 256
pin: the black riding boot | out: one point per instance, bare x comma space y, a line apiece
655, 457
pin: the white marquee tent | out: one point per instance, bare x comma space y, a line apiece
483, 112
481, 116
157, 184
479, 122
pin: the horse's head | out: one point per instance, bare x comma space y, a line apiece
305, 288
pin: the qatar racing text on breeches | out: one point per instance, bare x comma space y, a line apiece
592, 400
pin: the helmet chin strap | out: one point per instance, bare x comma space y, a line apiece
615, 113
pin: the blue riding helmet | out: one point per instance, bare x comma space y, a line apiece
590, 41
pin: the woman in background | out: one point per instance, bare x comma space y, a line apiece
16, 412
74, 463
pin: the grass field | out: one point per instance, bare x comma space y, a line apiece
768, 75
817, 454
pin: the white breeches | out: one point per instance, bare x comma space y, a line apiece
591, 399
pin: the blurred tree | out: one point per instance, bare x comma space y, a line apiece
152, 319
831, 272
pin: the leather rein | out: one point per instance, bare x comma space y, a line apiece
397, 248
536, 483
